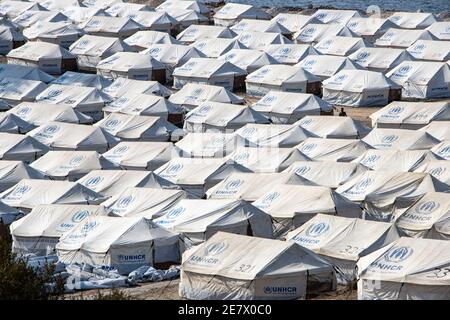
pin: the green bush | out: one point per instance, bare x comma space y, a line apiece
114, 294
18, 281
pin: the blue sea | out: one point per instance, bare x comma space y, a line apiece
435, 6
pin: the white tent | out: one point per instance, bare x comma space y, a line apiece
140, 155
266, 160
214, 48
198, 220
143, 202
5, 22
14, 91
439, 169
325, 173
294, 21
359, 88
430, 50
338, 150
145, 105
394, 159
335, 16
442, 149
158, 21
30, 17
186, 17
11, 172
38, 114
359, 187
39, 231
192, 95
400, 190
402, 38
172, 55
90, 50
272, 135
10, 39
122, 86
438, 129
325, 66
426, 218
413, 20
258, 40
122, 243
112, 182
277, 270
399, 139
132, 65
87, 100
120, 27
80, 15
292, 205
62, 33
70, 165
380, 59
290, 53
288, 107
11, 123
206, 144
370, 28
58, 4
440, 30
102, 4
132, 127
20, 147
13, 9
68, 136
147, 38
408, 269
231, 13
343, 241
198, 175
79, 79
24, 72
29, 193
281, 78
185, 4
341, 46
209, 71
250, 186
410, 115
260, 25
333, 127
221, 117
200, 32
315, 32
121, 9
247, 59
48, 57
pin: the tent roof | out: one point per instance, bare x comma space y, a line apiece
342, 150
332, 127
399, 139
279, 74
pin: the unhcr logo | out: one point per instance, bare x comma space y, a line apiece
51, 129
245, 38
302, 170
389, 138
215, 248
20, 191
395, 110
419, 47
154, 51
92, 182
269, 99
388, 36
241, 157
174, 168
120, 149
175, 212
23, 111
270, 197
53, 93
370, 160
317, 229
445, 151
112, 123
309, 30
197, 92
363, 184
203, 110
362, 56
398, 254
125, 201
89, 226
75, 161
427, 207
306, 122
437, 172
280, 290
403, 71
230, 56
285, 51
308, 147
353, 25
79, 216
341, 78
233, 184
321, 15
94, 23
247, 132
